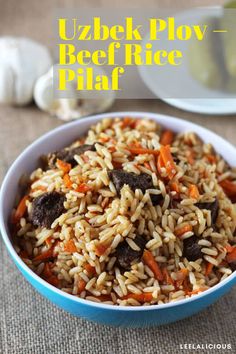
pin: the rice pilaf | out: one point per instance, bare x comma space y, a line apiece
131, 214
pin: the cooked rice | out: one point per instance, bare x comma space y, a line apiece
101, 216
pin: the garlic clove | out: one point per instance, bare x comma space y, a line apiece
22, 61
43, 93
69, 108
6, 84
44, 98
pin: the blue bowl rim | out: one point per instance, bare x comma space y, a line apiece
74, 298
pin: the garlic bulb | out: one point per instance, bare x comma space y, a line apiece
69, 108
22, 61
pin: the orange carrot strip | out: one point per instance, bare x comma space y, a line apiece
128, 122
147, 165
181, 230
105, 139
193, 192
143, 297
229, 248
125, 122
140, 151
191, 156
112, 148
67, 181
231, 257
101, 248
160, 164
229, 185
193, 292
53, 280
211, 158
81, 285
47, 273
167, 277
64, 166
113, 141
136, 144
185, 285
20, 210
229, 188
48, 241
209, 268
70, 246
83, 188
45, 255
168, 161
39, 188
167, 137
174, 186
182, 273
150, 261
181, 276
90, 269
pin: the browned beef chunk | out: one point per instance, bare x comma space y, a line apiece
46, 208
213, 207
68, 154
126, 255
192, 250
142, 181
156, 199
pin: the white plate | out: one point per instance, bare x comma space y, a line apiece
152, 77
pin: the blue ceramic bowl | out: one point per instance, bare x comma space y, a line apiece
102, 313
